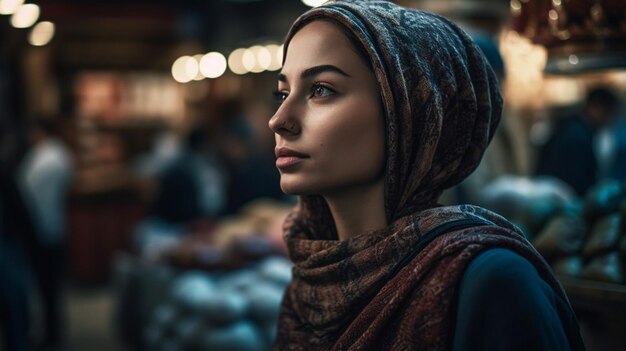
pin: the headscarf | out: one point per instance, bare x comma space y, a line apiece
441, 107
441, 101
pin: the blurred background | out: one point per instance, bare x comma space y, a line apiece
139, 203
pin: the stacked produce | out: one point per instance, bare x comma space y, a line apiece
580, 237
528, 202
235, 310
583, 239
216, 287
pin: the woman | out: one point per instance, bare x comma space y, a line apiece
382, 108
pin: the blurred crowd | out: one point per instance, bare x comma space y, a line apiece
197, 177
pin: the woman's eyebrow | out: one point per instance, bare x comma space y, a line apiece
313, 71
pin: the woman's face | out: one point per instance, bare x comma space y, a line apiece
329, 128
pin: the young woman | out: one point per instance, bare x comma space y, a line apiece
382, 108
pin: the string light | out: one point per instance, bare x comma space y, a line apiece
41, 34
213, 65
235, 61
25, 16
8, 7
185, 69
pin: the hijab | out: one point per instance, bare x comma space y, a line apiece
441, 107
441, 101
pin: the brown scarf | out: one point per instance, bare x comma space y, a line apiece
359, 295
381, 290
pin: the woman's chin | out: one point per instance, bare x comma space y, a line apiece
291, 187
291, 190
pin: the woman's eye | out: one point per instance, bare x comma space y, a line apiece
280, 96
320, 90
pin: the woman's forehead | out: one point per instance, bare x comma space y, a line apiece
319, 43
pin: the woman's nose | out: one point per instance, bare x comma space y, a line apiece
284, 122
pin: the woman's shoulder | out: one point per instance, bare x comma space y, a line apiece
503, 301
501, 276
499, 266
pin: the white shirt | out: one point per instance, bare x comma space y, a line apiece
44, 179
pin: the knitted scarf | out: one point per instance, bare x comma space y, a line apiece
383, 290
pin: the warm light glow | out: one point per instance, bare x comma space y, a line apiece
213, 65
185, 69
199, 75
516, 6
8, 7
249, 60
277, 57
525, 61
553, 15
235, 62
562, 90
263, 57
257, 59
313, 3
41, 34
25, 16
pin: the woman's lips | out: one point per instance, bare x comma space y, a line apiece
287, 161
286, 157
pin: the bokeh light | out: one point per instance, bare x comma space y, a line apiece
263, 57
185, 69
41, 34
25, 16
199, 76
8, 7
249, 60
313, 3
213, 65
276, 52
235, 61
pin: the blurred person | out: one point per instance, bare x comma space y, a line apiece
610, 148
164, 149
17, 238
570, 152
190, 191
381, 109
44, 179
251, 173
191, 186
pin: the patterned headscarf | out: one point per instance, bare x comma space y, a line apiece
391, 289
441, 101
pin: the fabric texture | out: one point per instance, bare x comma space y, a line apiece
442, 105
344, 298
498, 283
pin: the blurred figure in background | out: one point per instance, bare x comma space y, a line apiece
192, 186
190, 190
165, 147
44, 179
17, 237
610, 147
249, 154
571, 152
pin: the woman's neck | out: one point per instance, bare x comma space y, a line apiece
358, 210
